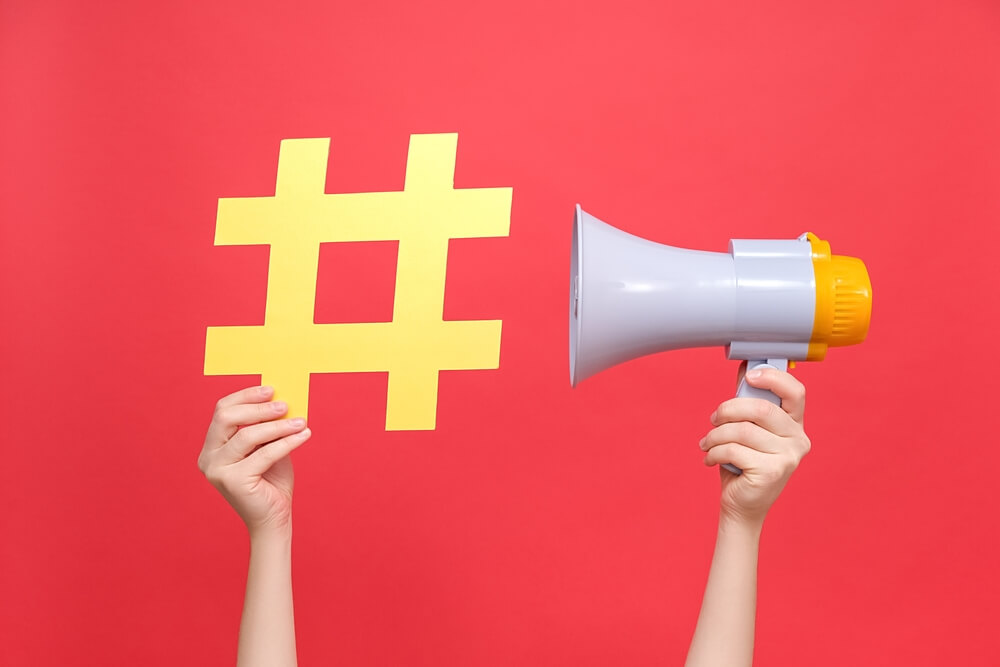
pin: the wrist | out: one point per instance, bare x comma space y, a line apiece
270, 534
737, 523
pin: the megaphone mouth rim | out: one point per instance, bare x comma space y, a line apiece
575, 295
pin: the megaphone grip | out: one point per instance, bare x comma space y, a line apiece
746, 390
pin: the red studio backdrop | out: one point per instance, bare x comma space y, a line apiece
536, 524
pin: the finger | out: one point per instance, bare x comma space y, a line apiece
228, 419
261, 461
744, 433
763, 413
248, 439
783, 385
248, 395
742, 457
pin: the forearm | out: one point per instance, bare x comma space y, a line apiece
267, 629
725, 632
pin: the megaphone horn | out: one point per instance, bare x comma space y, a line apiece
767, 301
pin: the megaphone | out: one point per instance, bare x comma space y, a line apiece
766, 301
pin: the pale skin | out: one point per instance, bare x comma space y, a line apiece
246, 457
767, 442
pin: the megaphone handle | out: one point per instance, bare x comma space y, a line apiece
748, 391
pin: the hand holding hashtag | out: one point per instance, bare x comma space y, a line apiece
245, 457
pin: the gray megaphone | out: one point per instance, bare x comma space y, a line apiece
766, 301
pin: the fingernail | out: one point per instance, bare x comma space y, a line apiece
265, 390
754, 374
305, 433
280, 406
701, 445
712, 418
298, 422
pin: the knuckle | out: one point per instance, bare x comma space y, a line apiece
214, 475
762, 410
224, 416
744, 431
237, 437
266, 455
240, 440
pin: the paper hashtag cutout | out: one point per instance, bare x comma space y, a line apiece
417, 343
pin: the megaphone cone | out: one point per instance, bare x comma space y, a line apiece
764, 299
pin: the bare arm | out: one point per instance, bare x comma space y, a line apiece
267, 629
725, 632
246, 458
767, 443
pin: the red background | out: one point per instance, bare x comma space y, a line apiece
538, 525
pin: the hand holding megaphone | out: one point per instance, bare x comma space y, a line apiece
768, 442
766, 301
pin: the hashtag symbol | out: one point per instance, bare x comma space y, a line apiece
417, 343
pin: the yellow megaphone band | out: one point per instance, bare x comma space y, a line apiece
843, 299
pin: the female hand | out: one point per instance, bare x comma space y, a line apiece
245, 457
763, 440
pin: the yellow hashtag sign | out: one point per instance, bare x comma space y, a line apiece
417, 343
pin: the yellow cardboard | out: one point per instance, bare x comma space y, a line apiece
417, 343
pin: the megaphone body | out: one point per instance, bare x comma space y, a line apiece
767, 301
